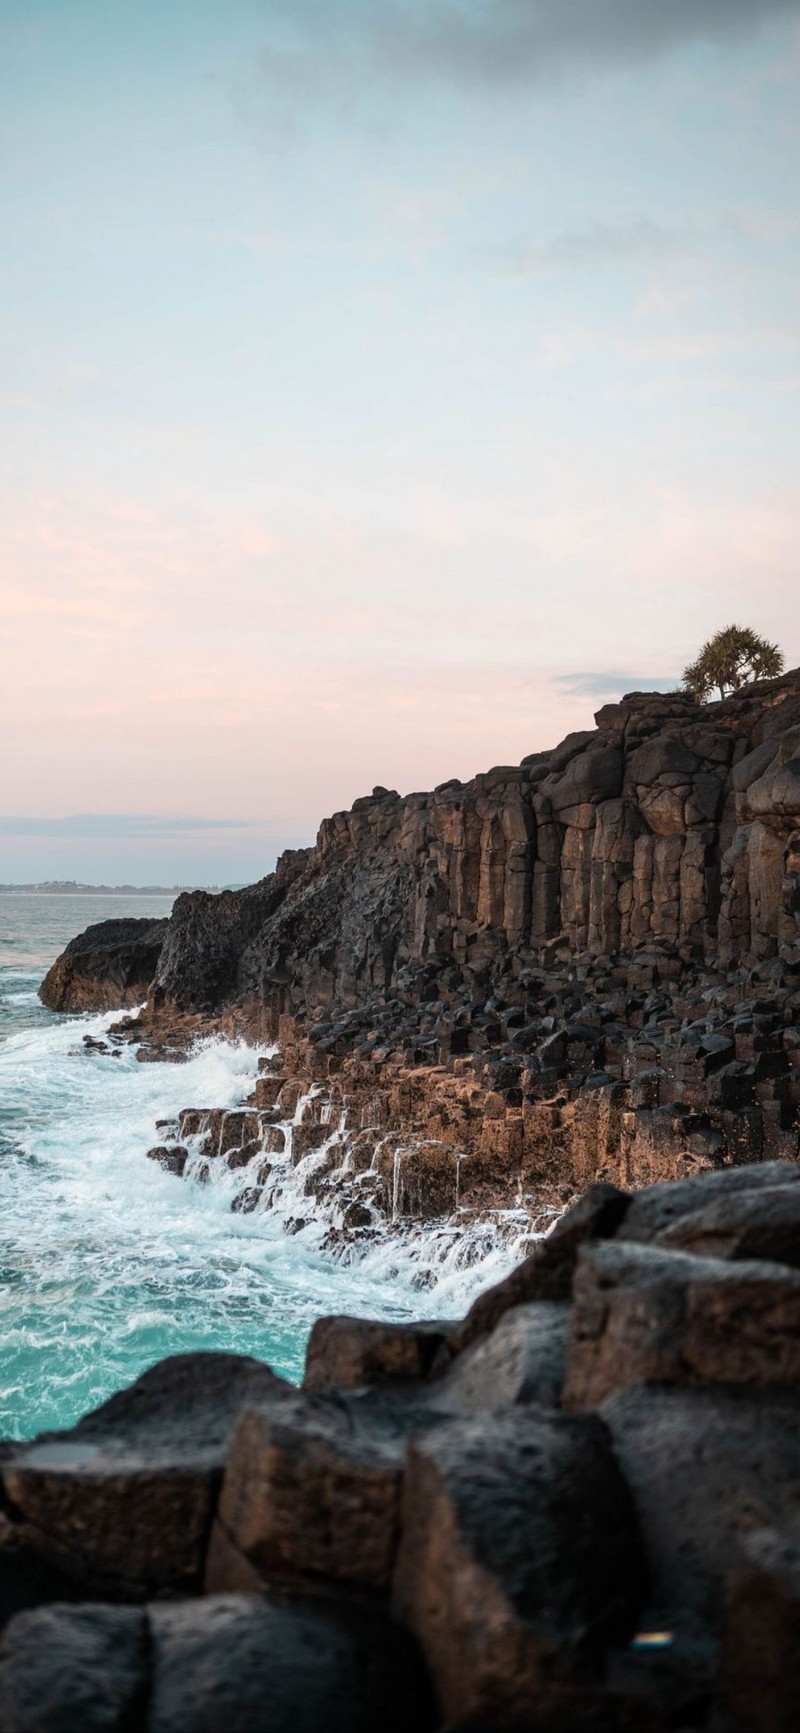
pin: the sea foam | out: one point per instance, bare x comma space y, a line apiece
109, 1263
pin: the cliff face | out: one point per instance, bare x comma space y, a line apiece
109, 965
671, 825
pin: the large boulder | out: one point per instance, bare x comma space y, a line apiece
108, 966
653, 1210
238, 1663
122, 1503
350, 1352
643, 1314
80, 1669
315, 1497
518, 1561
761, 1223
255, 1664
523, 1360
706, 1469
547, 1274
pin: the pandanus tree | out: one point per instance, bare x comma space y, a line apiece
732, 658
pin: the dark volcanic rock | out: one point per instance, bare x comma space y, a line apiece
644, 1314
523, 1360
635, 836
227, 1664
761, 1223
654, 1210
122, 1503
521, 1545
206, 937
706, 1469
317, 1497
759, 1688
581, 968
246, 1664
171, 1156
108, 966
547, 1274
26, 1577
80, 1669
518, 1560
354, 1351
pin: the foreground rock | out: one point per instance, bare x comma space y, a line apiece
122, 1504
759, 1689
519, 1562
244, 1664
316, 1497
576, 1511
108, 966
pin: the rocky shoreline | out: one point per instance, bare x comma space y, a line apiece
574, 1511
577, 1510
585, 967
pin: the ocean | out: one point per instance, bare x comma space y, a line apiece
107, 1263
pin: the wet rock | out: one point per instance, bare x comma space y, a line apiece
248, 1200
706, 1468
523, 1360
643, 1314
74, 1669
518, 1560
250, 1664
350, 1352
171, 1156
151, 1054
759, 1687
122, 1503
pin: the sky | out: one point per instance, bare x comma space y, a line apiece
385, 385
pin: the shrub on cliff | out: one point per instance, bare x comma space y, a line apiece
732, 658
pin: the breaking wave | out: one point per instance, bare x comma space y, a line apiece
109, 1262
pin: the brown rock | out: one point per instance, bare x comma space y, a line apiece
643, 1314
351, 1352
317, 1497
122, 1503
518, 1559
759, 1687
171, 1156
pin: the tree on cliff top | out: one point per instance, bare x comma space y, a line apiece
732, 658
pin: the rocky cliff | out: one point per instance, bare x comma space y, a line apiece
110, 965
669, 825
583, 967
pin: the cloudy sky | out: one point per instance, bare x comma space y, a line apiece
386, 384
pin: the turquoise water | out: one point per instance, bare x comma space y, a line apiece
106, 1262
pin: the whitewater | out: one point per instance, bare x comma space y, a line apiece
108, 1263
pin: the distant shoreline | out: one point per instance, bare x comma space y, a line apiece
69, 889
